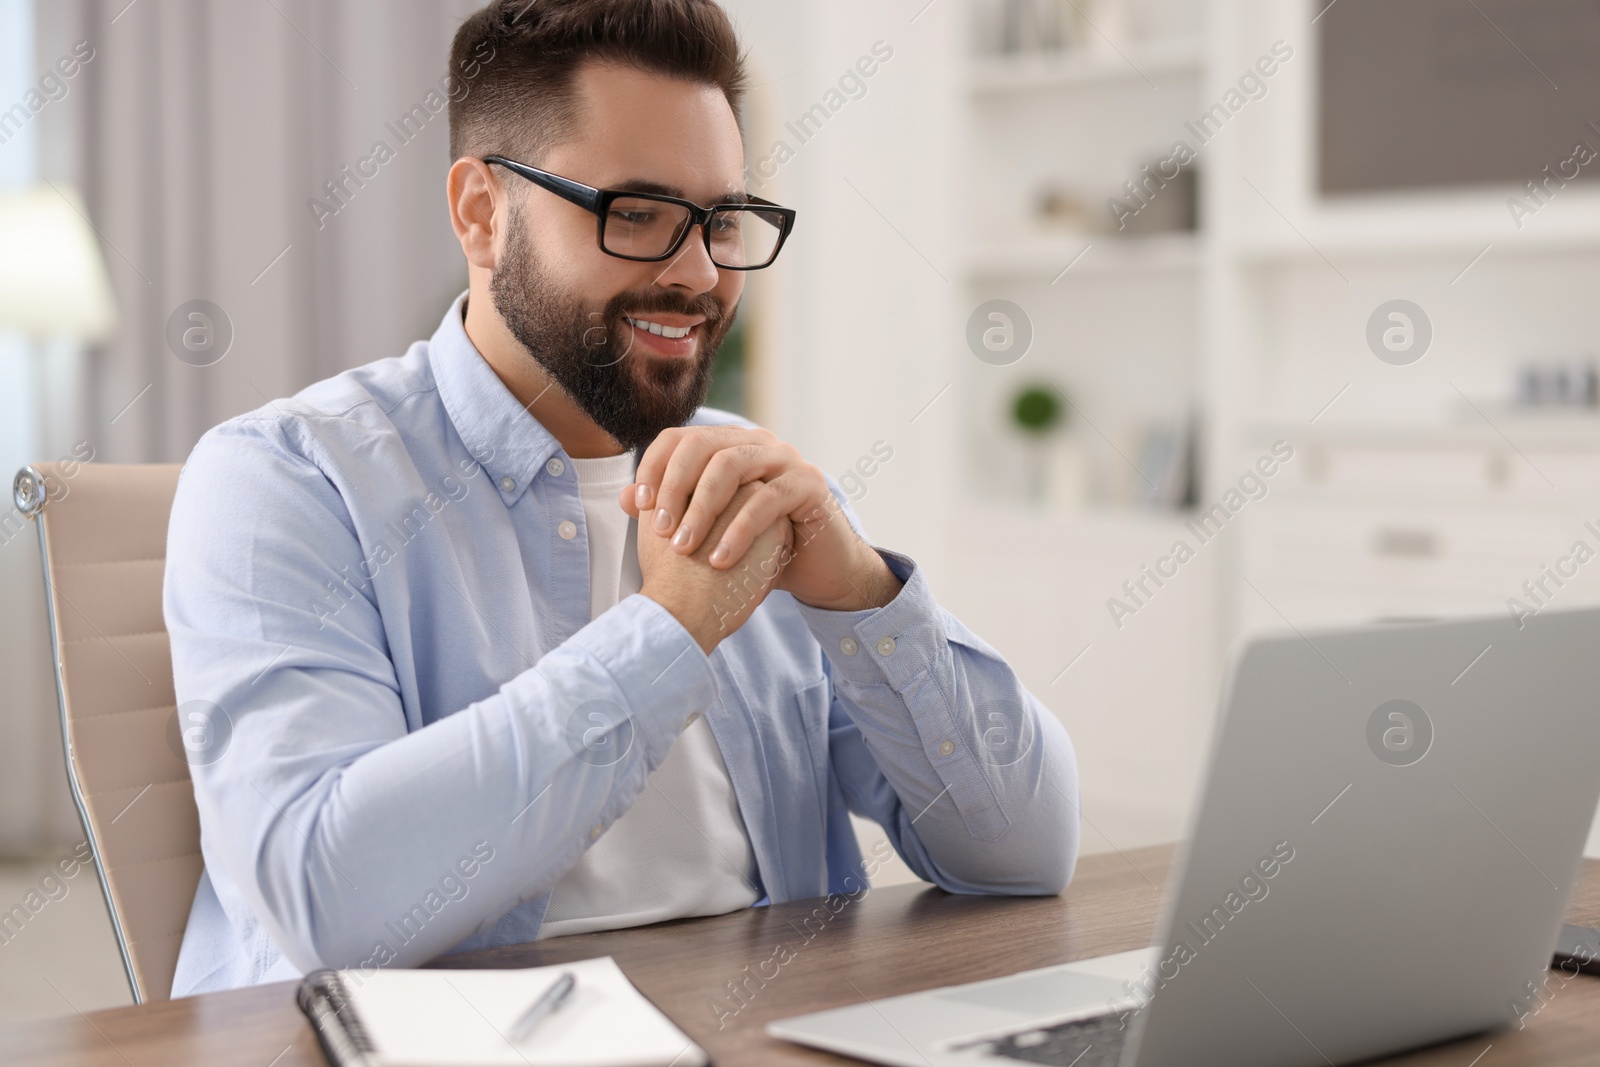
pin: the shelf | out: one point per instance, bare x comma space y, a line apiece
1464, 248
1417, 226
1024, 72
1044, 257
1554, 429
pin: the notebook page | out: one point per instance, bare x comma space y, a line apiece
450, 1018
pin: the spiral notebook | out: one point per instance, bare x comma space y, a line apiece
451, 1018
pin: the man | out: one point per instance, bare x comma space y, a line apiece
471, 665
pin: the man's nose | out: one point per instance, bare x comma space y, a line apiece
691, 268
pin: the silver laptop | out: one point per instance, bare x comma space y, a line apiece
1380, 858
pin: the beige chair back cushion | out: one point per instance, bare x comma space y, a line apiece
105, 535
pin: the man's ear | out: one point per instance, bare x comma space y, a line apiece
477, 212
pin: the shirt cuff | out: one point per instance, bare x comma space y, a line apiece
664, 675
892, 644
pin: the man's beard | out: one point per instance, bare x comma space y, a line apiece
631, 396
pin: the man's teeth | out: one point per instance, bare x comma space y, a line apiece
660, 330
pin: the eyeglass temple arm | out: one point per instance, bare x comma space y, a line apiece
585, 196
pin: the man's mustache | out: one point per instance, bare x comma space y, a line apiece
644, 303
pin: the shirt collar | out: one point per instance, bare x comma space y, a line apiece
506, 440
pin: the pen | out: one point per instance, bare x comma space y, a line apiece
548, 1002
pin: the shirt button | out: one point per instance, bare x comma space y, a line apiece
693, 715
596, 832
848, 646
886, 646
946, 747
508, 483
567, 530
555, 467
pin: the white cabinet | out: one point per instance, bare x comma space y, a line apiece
1388, 524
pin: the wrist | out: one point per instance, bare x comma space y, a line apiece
870, 584
699, 623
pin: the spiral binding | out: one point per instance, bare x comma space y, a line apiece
326, 1002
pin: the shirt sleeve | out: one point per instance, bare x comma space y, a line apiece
934, 737
328, 811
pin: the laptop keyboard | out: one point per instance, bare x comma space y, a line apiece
1093, 1042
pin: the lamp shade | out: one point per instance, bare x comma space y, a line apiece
53, 280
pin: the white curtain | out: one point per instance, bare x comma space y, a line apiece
198, 134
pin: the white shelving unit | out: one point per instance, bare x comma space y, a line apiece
1481, 489
1414, 489
1117, 326
1082, 121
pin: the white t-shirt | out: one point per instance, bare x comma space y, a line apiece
682, 849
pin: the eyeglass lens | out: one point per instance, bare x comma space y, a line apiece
647, 228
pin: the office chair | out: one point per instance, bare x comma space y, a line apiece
102, 544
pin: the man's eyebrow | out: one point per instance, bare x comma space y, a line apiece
644, 185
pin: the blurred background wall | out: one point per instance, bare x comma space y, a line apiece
1072, 267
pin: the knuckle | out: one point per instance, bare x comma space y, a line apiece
672, 489
759, 493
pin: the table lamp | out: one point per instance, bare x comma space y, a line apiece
54, 293
53, 284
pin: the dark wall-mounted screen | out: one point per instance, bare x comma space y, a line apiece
1456, 92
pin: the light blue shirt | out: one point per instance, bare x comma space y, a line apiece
383, 585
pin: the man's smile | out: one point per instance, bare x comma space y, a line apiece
667, 335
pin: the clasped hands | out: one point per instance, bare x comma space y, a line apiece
727, 514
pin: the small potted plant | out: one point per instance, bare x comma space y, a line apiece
1038, 412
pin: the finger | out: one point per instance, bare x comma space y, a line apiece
684, 468
811, 521
679, 475
628, 502
774, 500
726, 470
653, 463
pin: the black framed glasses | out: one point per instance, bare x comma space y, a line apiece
649, 227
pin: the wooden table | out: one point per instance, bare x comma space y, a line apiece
893, 940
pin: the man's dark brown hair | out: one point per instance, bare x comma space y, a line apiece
515, 62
